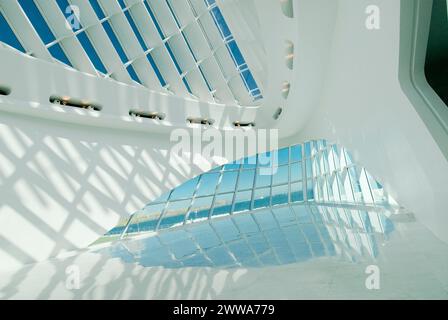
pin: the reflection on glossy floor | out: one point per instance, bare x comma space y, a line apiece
267, 237
292, 252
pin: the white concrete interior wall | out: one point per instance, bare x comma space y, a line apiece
363, 107
63, 185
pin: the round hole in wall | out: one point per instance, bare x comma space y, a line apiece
5, 91
277, 113
289, 54
285, 89
287, 8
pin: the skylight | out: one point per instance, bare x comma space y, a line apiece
182, 46
8, 36
84, 40
234, 50
115, 42
43, 30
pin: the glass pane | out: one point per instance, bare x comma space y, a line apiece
207, 184
8, 36
175, 213
266, 159
250, 162
296, 192
246, 179
242, 201
309, 168
200, 208
296, 171
235, 165
262, 197
283, 156
223, 204
228, 182
146, 220
284, 215
204, 235
226, 229
280, 194
308, 149
296, 153
263, 179
310, 190
266, 220
246, 223
280, 175
185, 190
303, 213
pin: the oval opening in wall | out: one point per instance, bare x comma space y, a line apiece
147, 114
277, 113
75, 103
5, 91
239, 124
285, 89
203, 121
287, 8
289, 54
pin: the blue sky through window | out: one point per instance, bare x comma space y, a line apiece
142, 43
8, 36
234, 50
43, 30
114, 40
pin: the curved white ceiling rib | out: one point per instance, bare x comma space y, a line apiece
181, 46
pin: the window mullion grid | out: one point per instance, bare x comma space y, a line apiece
196, 188
317, 229
225, 41
198, 246
299, 226
212, 207
183, 75
224, 244
165, 39
232, 208
304, 175
289, 173
125, 230
170, 252
25, 31
283, 233
251, 207
96, 33
272, 181
262, 232
244, 236
162, 214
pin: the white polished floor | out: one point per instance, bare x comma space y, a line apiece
413, 264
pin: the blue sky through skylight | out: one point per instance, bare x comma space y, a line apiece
8, 36
43, 30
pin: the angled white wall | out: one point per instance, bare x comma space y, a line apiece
364, 108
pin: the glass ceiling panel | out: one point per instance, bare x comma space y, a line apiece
43, 30
234, 50
8, 36
209, 76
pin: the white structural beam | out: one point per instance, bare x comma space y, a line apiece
65, 36
24, 30
102, 44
